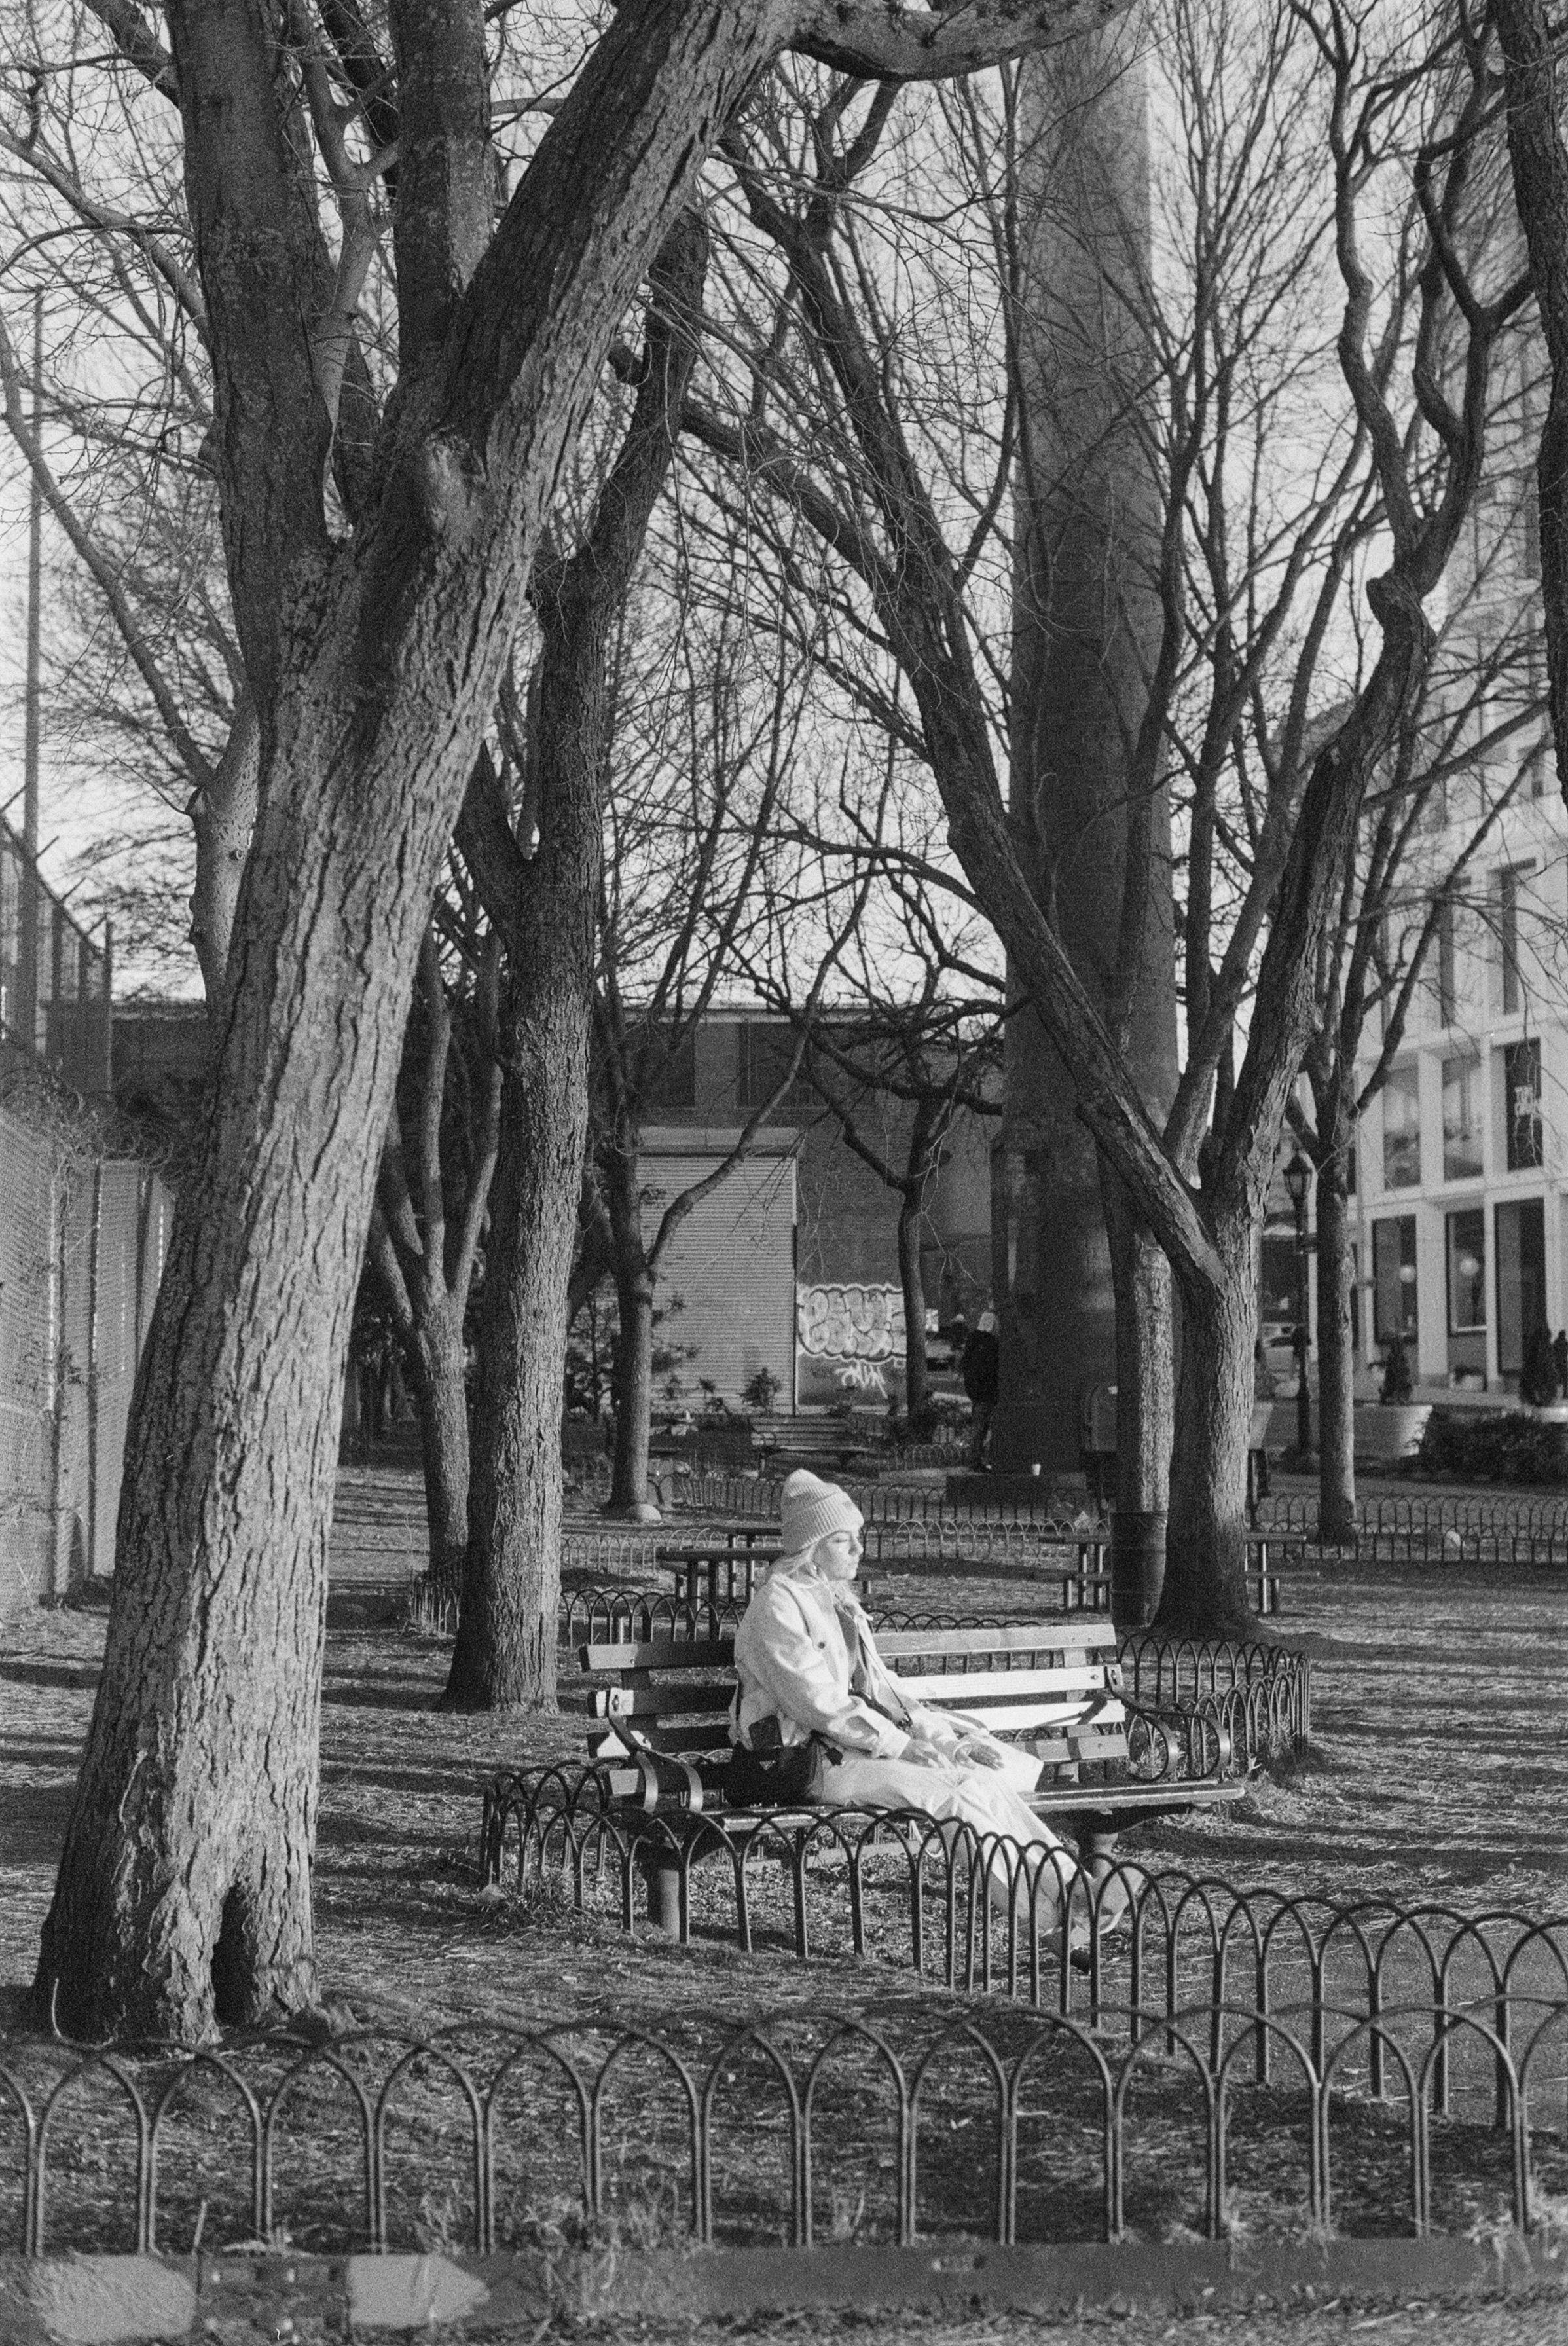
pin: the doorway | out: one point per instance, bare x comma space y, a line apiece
1520, 1281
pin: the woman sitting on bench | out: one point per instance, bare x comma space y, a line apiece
818, 1715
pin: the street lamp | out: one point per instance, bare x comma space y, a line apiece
1297, 1181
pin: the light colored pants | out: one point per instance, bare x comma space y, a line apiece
971, 1796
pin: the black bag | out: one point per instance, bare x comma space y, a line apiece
779, 1777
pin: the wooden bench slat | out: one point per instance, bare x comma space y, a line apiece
1131, 1801
670, 1699
1030, 1637
1017, 1718
1081, 1748
712, 1736
661, 1654
965, 1687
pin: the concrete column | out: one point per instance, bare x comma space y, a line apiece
1086, 625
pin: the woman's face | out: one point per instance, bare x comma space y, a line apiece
838, 1555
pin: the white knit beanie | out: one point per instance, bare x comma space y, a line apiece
811, 1508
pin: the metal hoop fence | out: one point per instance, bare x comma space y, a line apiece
918, 2125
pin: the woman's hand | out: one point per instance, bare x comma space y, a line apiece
979, 1754
922, 1753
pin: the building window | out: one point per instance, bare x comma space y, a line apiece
1395, 1312
1521, 1234
1402, 1130
672, 1083
766, 1052
1466, 1272
1447, 998
1461, 1144
1508, 888
1522, 1105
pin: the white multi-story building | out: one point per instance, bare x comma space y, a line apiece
1463, 1159
1463, 1156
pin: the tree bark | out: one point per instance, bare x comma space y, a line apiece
917, 1394
633, 1391
1145, 1355
183, 1895
1205, 1593
505, 1651
441, 1400
223, 816
1336, 1355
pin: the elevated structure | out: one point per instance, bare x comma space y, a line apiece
1085, 622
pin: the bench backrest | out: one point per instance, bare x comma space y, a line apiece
1056, 1686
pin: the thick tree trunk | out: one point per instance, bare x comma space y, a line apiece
183, 1895
505, 1651
633, 1391
1206, 1545
440, 1398
223, 816
1145, 1356
917, 1390
184, 1884
1336, 1357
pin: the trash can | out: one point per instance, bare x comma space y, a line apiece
1137, 1567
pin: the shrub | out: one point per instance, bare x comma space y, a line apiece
1465, 1445
760, 1391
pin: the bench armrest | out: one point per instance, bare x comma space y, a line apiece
1171, 1745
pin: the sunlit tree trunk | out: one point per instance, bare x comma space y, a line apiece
1335, 1354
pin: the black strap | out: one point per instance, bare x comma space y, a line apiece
865, 1652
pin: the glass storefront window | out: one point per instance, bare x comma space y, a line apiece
1402, 1130
1522, 1105
1461, 1148
1466, 1272
1395, 1312
1521, 1232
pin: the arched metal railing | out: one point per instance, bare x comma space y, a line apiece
908, 2126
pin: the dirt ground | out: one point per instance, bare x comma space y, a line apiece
1441, 1762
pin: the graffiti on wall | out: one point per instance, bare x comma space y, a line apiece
851, 1344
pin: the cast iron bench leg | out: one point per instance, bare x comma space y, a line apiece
660, 1870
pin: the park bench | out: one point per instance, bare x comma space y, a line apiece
815, 1442
711, 1446
1054, 1686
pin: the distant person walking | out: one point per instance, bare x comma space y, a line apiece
981, 1383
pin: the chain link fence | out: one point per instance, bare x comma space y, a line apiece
82, 1247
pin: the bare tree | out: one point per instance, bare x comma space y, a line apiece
433, 1194
910, 1041
373, 636
1466, 751
698, 848
541, 892
1413, 352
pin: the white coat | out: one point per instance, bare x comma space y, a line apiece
805, 1661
